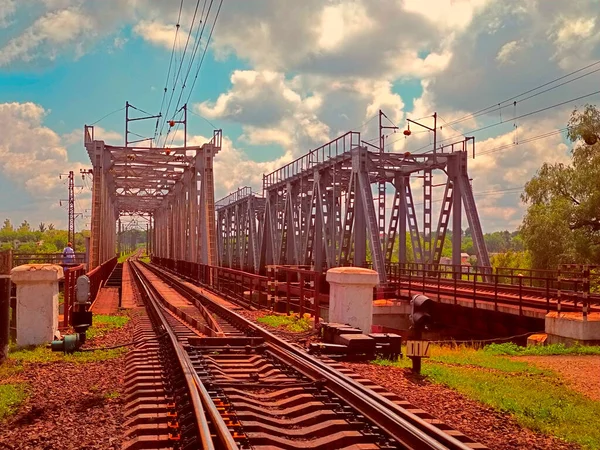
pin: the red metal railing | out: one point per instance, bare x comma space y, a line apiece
296, 288
524, 289
99, 275
71, 275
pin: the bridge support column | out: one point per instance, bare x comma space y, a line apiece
351, 296
37, 302
571, 327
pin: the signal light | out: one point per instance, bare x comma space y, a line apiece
407, 132
171, 123
421, 311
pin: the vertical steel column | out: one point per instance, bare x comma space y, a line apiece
453, 174
427, 197
401, 182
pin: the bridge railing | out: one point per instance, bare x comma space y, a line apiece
71, 275
46, 258
523, 289
319, 155
530, 278
284, 288
99, 275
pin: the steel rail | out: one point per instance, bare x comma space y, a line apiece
198, 394
402, 425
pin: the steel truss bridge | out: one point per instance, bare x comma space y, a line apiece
320, 211
325, 209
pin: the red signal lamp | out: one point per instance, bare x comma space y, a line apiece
407, 132
171, 123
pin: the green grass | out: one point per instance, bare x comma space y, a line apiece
111, 395
536, 398
43, 355
11, 396
102, 325
511, 349
293, 322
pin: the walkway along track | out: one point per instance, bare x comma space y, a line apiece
250, 389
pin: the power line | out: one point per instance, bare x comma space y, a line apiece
203, 118
169, 70
109, 114
199, 34
524, 141
482, 111
205, 49
512, 119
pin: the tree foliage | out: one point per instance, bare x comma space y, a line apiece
562, 223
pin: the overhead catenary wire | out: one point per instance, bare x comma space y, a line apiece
107, 115
178, 71
511, 99
205, 50
503, 122
168, 71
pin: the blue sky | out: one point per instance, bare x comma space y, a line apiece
282, 78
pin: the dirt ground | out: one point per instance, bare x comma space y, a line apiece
582, 373
492, 428
71, 405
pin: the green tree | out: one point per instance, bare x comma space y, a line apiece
7, 226
42, 227
562, 223
24, 227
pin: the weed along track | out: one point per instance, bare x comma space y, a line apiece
213, 379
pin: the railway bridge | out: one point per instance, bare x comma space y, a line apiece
344, 203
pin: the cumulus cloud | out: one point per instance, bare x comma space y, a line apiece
32, 154
7, 9
161, 34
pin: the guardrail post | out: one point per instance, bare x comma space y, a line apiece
301, 294
287, 291
496, 290
521, 295
5, 267
317, 302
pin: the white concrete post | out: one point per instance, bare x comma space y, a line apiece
351, 296
37, 302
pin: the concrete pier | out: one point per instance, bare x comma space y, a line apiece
37, 302
351, 296
571, 327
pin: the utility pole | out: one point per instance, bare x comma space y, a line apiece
184, 122
130, 119
72, 209
381, 189
427, 190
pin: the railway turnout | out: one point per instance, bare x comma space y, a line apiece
230, 384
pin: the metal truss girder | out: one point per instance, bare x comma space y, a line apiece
427, 213
444, 220
413, 225
372, 227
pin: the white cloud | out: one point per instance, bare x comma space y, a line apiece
7, 9
31, 154
508, 50
162, 34
76, 137
55, 29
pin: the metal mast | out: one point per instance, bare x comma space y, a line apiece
71, 209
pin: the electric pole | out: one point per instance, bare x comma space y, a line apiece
72, 209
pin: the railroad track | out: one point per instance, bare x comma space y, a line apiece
217, 380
